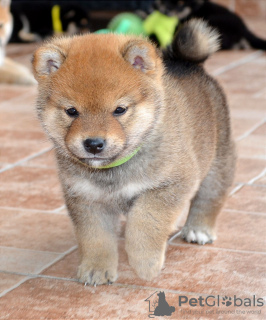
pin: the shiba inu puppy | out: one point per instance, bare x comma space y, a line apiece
234, 33
10, 71
139, 133
36, 21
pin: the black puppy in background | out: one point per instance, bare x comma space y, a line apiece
233, 31
34, 21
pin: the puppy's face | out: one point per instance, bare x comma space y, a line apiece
99, 95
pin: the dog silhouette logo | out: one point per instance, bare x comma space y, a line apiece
160, 305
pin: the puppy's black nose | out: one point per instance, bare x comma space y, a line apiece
94, 145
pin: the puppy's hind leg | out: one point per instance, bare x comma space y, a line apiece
208, 201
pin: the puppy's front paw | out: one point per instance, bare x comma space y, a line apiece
197, 235
147, 265
95, 274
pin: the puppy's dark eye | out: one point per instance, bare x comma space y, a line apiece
72, 112
119, 111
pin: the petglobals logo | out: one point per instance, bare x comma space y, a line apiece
217, 301
158, 305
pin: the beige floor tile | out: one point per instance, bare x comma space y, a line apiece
261, 131
261, 94
8, 92
224, 58
67, 267
3, 165
15, 50
238, 231
21, 104
7, 281
46, 160
190, 268
253, 152
51, 299
241, 126
15, 146
262, 181
30, 188
36, 231
25, 60
243, 106
24, 261
20, 121
241, 80
198, 269
249, 198
246, 169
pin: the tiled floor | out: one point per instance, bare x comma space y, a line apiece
38, 252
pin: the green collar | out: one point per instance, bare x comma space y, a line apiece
120, 161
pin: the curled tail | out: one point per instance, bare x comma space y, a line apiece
195, 42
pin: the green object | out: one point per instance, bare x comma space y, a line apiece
120, 161
127, 23
162, 26
103, 31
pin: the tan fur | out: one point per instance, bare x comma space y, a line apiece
178, 117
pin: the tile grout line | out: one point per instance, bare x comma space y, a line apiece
61, 256
57, 259
115, 284
31, 210
38, 275
237, 63
11, 166
32, 275
59, 209
32, 250
246, 134
3, 293
249, 183
236, 189
262, 174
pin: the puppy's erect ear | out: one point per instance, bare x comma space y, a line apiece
141, 55
47, 60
